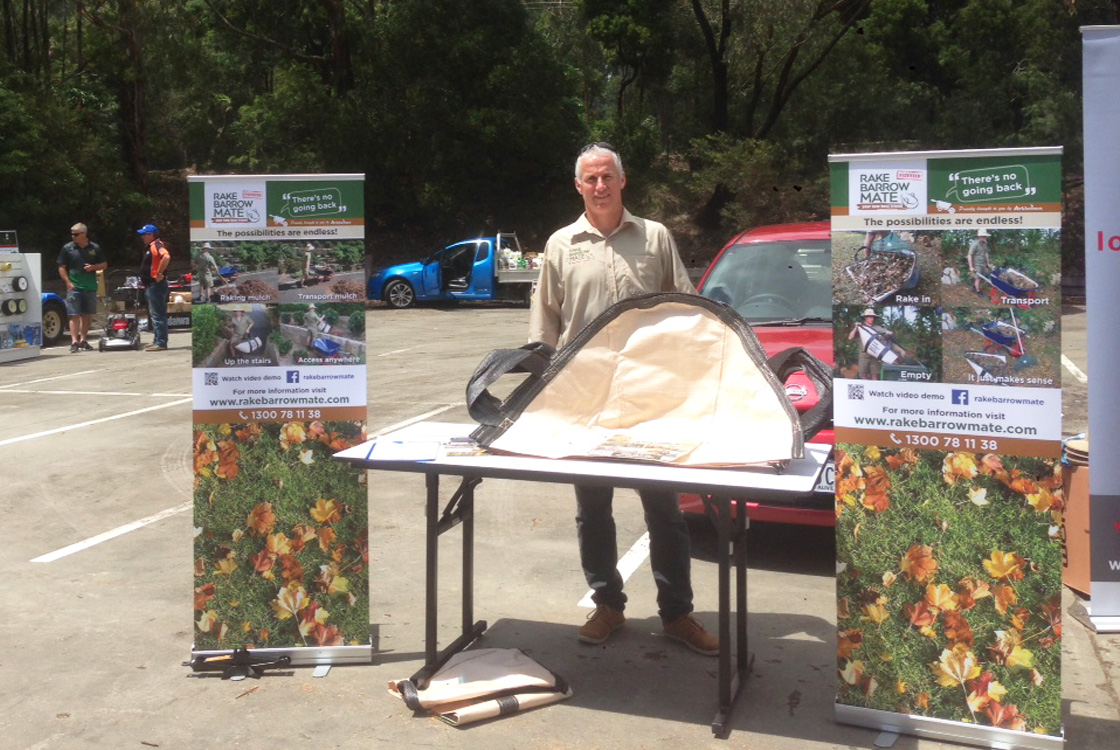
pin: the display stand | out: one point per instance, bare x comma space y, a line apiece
423, 449
21, 308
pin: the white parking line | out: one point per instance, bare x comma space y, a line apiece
1077, 373
627, 564
395, 351
79, 425
418, 418
53, 377
95, 540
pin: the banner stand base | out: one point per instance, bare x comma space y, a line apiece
941, 729
1083, 613
305, 656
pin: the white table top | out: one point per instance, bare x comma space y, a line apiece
421, 448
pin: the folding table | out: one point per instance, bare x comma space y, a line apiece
435, 449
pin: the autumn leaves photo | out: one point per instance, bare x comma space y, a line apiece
949, 584
280, 548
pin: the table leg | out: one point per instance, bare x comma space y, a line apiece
460, 509
731, 549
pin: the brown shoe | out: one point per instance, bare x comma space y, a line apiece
688, 630
600, 624
155, 348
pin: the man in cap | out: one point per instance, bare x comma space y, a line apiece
153, 274
206, 268
869, 367
308, 253
979, 261
314, 324
78, 264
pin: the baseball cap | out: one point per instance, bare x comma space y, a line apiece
148, 229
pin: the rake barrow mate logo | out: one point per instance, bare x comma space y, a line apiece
887, 190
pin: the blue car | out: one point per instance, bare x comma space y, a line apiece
55, 319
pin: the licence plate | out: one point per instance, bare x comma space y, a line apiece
826, 482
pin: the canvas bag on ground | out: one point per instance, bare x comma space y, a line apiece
672, 378
483, 684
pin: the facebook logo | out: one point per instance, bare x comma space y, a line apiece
293, 376
960, 397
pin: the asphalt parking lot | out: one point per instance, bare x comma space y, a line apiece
95, 458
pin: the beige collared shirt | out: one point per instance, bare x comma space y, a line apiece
584, 273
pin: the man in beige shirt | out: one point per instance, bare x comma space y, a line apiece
605, 256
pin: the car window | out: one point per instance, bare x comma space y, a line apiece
766, 281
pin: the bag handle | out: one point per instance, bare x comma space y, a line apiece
789, 361
483, 406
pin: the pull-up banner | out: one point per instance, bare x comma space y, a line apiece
1101, 71
946, 314
279, 373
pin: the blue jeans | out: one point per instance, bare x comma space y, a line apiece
669, 551
157, 293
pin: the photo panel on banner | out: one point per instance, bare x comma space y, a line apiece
278, 338
946, 279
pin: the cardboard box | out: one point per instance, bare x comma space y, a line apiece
1076, 572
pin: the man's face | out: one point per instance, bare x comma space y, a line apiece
147, 238
600, 185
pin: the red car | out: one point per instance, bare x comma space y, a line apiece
779, 278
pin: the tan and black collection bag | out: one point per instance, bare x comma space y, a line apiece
671, 378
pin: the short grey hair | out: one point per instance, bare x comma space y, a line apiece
599, 151
79, 227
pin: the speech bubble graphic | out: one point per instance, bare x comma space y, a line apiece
1008, 182
304, 203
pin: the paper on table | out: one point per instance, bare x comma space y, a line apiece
405, 450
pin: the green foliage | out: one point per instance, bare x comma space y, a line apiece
207, 322
356, 323
283, 343
465, 117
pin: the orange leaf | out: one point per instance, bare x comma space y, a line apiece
940, 596
920, 615
970, 591
262, 561
203, 594
1005, 717
957, 629
292, 433
261, 519
1005, 596
992, 465
958, 466
919, 564
326, 512
1052, 613
877, 479
291, 567
848, 643
876, 502
289, 601
956, 666
1004, 566
327, 635
278, 544
326, 538
877, 613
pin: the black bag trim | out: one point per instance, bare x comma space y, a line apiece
542, 362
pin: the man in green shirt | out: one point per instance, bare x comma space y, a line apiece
78, 264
